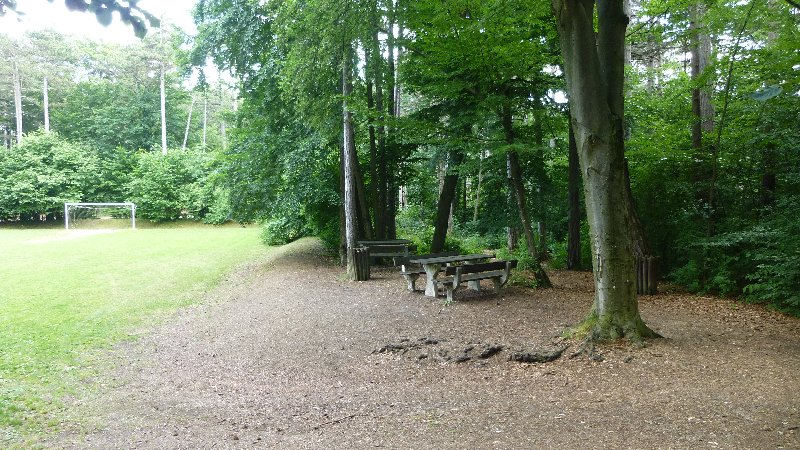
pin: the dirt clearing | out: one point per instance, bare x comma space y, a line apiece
298, 358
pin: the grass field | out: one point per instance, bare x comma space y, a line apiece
65, 294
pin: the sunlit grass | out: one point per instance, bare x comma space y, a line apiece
65, 295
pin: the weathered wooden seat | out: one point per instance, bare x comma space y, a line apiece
412, 272
497, 271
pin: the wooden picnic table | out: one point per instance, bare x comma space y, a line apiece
386, 248
432, 266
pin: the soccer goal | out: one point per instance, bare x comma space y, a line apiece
99, 215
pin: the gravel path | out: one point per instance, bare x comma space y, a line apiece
295, 357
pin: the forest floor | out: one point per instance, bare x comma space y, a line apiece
293, 356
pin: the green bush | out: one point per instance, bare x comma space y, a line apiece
776, 279
172, 186
40, 174
282, 230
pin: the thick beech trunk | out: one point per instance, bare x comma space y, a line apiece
574, 198
593, 65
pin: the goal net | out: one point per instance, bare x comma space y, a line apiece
99, 215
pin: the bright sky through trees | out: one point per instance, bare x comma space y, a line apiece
41, 14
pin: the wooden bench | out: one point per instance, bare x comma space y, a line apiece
411, 272
389, 248
497, 271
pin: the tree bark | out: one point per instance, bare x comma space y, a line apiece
163, 113
348, 152
702, 108
446, 197
361, 191
574, 222
188, 122
594, 68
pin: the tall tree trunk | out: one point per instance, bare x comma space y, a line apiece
702, 108
188, 122
361, 191
574, 202
205, 117
390, 147
476, 207
446, 197
163, 113
641, 248
46, 105
17, 100
594, 68
349, 152
542, 280
377, 140
703, 112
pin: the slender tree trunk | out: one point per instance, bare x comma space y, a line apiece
445, 203
641, 248
593, 64
349, 151
389, 153
476, 207
342, 214
574, 224
377, 141
702, 110
46, 105
515, 172
17, 100
163, 113
205, 117
188, 122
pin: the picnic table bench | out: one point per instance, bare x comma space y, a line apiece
497, 271
410, 272
433, 265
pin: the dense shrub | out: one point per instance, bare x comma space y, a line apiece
283, 230
171, 186
43, 172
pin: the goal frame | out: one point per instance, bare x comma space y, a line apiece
130, 205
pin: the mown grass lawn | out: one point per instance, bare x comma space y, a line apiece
64, 295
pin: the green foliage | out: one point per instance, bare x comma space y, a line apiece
776, 279
283, 230
171, 186
109, 113
42, 173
